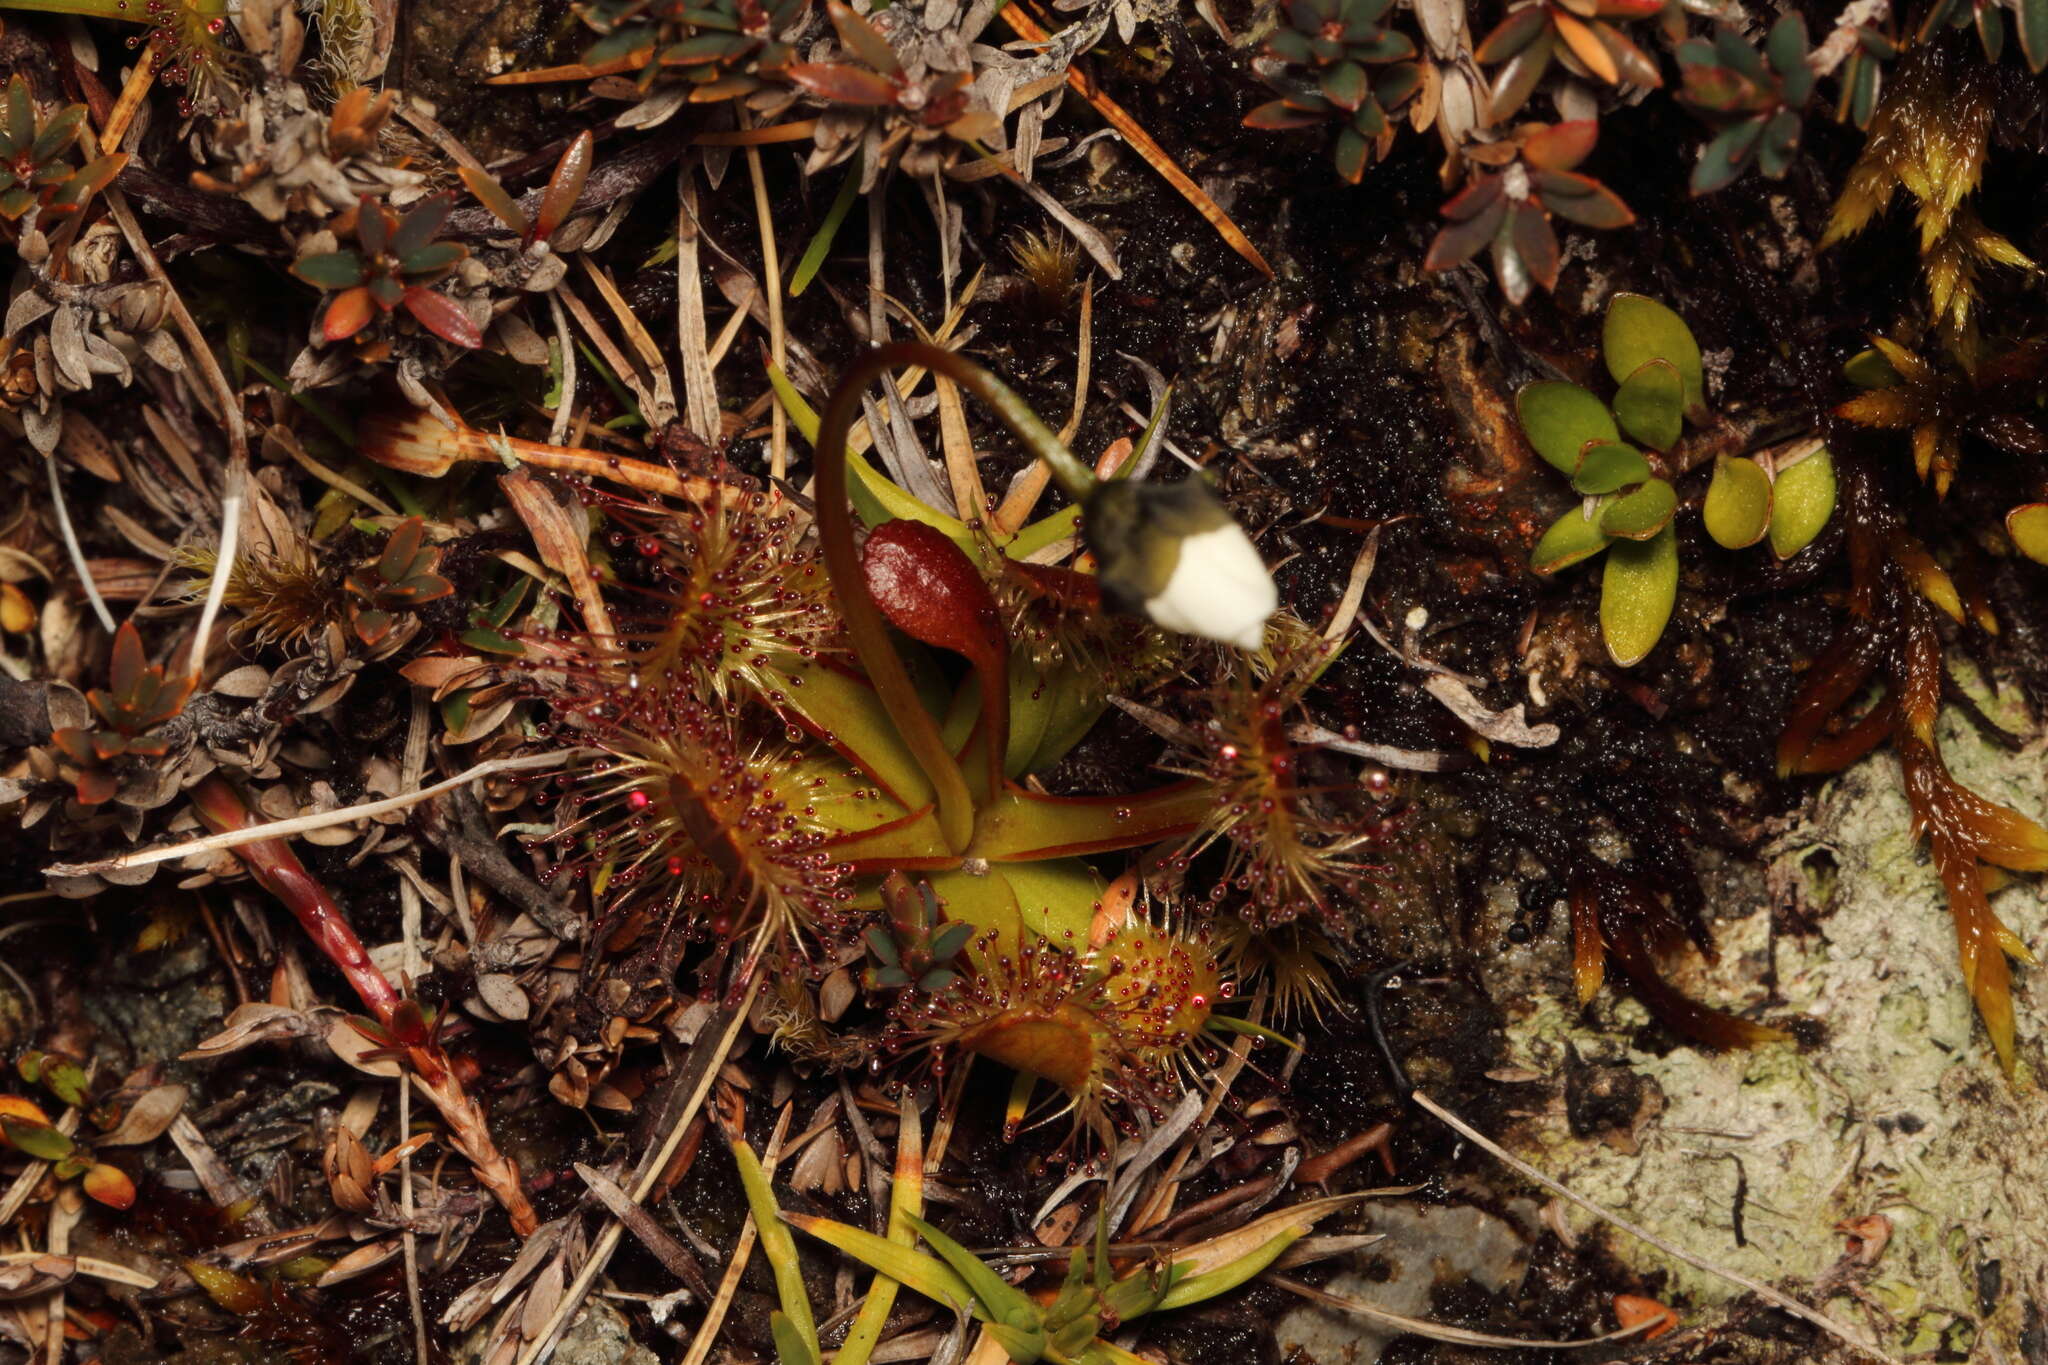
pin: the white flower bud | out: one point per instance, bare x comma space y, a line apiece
1173, 553
1219, 589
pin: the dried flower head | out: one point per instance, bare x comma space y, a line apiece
1110, 1025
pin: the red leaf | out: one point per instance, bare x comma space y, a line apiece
565, 186
1475, 199
347, 313
841, 84
1561, 146
439, 315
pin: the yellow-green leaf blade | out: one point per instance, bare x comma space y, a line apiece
1637, 592
1560, 418
1802, 500
1640, 329
1738, 506
1650, 405
1643, 513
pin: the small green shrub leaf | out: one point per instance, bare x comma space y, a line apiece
1636, 595
1571, 538
1642, 513
1559, 419
1650, 405
1803, 498
1640, 330
39, 1140
2028, 526
1738, 509
1608, 467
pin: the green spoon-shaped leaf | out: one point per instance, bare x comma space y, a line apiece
1559, 419
1738, 509
1650, 405
1802, 500
1642, 513
1609, 467
1636, 594
1571, 538
2027, 524
1640, 330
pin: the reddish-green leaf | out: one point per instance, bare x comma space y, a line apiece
109, 1185
1275, 116
493, 196
432, 260
565, 186
1536, 244
863, 39
1512, 35
330, 269
1560, 146
422, 225
1582, 199
347, 313
439, 314
1515, 81
1345, 85
841, 84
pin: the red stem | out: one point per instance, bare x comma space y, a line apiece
278, 870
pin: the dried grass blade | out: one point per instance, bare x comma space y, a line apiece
778, 339
1435, 1331
1169, 169
797, 131
643, 343
558, 536
700, 384
576, 71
